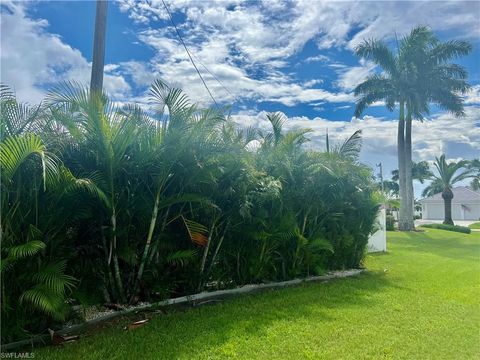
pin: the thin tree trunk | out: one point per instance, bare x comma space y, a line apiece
205, 254
111, 283
153, 221
408, 172
207, 247
116, 267
402, 225
217, 249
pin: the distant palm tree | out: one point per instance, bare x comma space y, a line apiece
420, 172
448, 174
417, 75
435, 187
475, 165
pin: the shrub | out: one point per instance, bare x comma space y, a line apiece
456, 228
390, 223
120, 207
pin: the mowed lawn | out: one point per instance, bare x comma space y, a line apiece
475, 225
421, 300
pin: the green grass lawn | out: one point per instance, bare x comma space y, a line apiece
474, 225
419, 301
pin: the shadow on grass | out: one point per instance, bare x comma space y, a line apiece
208, 328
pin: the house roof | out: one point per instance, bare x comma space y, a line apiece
460, 194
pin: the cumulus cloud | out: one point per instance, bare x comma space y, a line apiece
247, 45
473, 96
350, 77
32, 58
380, 135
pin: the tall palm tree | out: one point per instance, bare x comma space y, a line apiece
448, 174
418, 74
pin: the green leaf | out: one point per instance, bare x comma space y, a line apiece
25, 250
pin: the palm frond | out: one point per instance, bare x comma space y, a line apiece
16, 150
198, 233
351, 147
180, 257
379, 53
42, 298
53, 277
277, 120
26, 250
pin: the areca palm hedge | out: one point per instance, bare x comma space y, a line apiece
106, 203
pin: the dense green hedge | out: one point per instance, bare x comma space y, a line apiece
457, 228
107, 204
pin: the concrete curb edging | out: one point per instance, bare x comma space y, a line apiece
245, 289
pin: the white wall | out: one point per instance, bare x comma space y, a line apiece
378, 241
435, 211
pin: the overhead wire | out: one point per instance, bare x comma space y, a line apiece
188, 52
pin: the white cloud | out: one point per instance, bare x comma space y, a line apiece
380, 136
247, 45
232, 80
473, 96
350, 77
31, 58
317, 58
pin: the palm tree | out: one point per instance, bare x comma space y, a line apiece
435, 187
417, 75
448, 174
475, 165
420, 172
105, 134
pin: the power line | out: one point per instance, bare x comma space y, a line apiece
188, 52
213, 75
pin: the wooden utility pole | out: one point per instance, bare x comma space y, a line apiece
96, 81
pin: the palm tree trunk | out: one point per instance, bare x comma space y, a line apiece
205, 254
447, 196
217, 249
408, 172
402, 219
448, 212
116, 267
153, 221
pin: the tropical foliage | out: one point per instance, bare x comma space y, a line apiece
418, 74
447, 175
107, 203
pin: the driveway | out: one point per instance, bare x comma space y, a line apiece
457, 222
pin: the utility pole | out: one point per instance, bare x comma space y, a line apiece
381, 177
96, 81
327, 142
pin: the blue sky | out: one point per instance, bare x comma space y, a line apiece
290, 56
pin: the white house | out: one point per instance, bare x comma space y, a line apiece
465, 205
